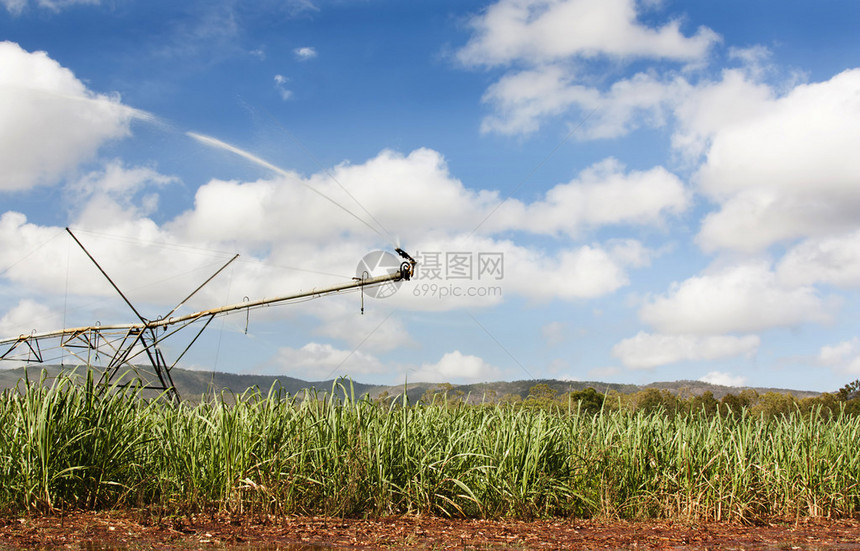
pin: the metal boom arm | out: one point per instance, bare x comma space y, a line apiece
155, 324
132, 334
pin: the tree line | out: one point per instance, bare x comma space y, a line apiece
591, 401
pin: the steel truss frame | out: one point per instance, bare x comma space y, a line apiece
120, 345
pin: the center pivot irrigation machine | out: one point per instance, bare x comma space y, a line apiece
111, 348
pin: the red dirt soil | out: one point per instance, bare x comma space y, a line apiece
133, 530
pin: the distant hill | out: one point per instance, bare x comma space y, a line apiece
192, 385
697, 388
492, 391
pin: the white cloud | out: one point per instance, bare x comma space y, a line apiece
702, 111
810, 124
641, 100
833, 260
573, 273
305, 53
647, 350
603, 194
321, 361
455, 366
15, 7
630, 252
723, 378
378, 330
277, 222
315, 361
739, 298
844, 356
756, 59
118, 182
29, 315
788, 170
150, 265
541, 31
49, 121
839, 352
584, 272
444, 217
523, 100
281, 87
441, 207
273, 210
549, 45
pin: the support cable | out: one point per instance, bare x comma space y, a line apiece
214, 142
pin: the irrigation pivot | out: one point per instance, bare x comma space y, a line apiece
126, 347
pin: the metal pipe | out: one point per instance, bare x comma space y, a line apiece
396, 276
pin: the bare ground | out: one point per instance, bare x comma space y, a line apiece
142, 530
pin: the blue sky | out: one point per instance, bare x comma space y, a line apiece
669, 190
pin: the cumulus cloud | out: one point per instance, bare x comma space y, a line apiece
256, 211
316, 361
580, 273
567, 273
832, 260
29, 315
127, 246
549, 44
647, 350
541, 31
786, 169
305, 53
522, 101
843, 356
723, 378
703, 110
276, 221
833, 354
117, 180
15, 7
115, 186
445, 217
49, 121
455, 366
441, 205
321, 361
697, 107
378, 330
603, 194
744, 297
